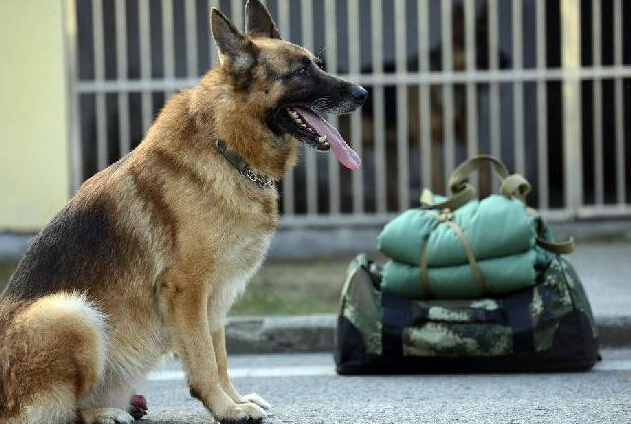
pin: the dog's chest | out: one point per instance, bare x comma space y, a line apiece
238, 259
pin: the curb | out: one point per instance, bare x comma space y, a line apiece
304, 333
614, 331
316, 333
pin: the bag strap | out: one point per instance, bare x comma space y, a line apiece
557, 247
424, 276
477, 273
446, 217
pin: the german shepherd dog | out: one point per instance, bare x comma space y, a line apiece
150, 254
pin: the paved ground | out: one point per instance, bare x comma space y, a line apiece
305, 389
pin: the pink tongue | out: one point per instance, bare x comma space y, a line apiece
344, 154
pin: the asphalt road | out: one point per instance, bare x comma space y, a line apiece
304, 389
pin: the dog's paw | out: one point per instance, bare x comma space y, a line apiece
257, 400
105, 416
242, 413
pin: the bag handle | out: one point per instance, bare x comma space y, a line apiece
452, 203
513, 186
458, 179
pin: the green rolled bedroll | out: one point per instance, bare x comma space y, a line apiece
501, 234
495, 227
502, 275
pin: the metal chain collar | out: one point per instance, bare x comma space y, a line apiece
242, 166
262, 181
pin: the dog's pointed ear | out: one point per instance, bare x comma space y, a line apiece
227, 37
258, 21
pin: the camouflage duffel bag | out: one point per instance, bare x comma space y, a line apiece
548, 327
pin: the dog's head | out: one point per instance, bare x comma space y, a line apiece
282, 84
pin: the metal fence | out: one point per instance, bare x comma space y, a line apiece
545, 85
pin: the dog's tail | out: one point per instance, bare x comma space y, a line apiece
52, 353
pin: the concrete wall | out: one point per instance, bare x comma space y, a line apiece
34, 163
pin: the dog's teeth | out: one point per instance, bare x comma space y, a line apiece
322, 138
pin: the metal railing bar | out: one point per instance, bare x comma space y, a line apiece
145, 64
331, 63
448, 92
402, 106
597, 104
97, 30
432, 78
356, 118
213, 54
379, 219
288, 179
124, 144
306, 10
237, 14
518, 88
381, 176
599, 211
75, 150
542, 105
336, 220
471, 89
571, 97
99, 75
168, 44
424, 95
619, 106
379, 132
494, 87
190, 19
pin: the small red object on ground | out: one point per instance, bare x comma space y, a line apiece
138, 406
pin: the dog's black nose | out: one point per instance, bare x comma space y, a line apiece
358, 92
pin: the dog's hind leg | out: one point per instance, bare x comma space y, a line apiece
53, 352
109, 401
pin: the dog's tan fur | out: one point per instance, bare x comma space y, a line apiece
167, 239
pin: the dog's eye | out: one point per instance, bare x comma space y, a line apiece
302, 71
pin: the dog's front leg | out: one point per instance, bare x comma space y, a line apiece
219, 342
188, 319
